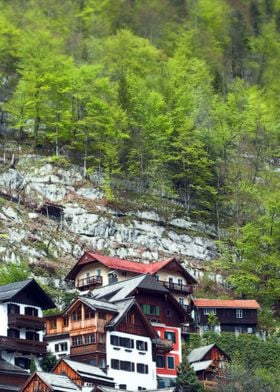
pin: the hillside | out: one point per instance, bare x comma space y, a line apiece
153, 125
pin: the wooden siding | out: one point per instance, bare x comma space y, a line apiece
36, 384
228, 316
64, 369
132, 323
168, 314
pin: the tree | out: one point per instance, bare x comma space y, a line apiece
48, 361
186, 378
13, 272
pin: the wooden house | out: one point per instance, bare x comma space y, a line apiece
94, 270
208, 362
22, 324
48, 382
82, 374
239, 316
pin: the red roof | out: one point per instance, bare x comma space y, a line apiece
126, 265
226, 303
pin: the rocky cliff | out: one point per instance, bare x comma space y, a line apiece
49, 214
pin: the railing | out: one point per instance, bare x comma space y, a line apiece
180, 288
95, 280
87, 349
23, 320
25, 346
163, 345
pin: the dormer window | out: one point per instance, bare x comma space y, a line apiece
239, 313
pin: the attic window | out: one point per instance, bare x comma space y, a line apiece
239, 313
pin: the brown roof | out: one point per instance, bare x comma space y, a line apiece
226, 303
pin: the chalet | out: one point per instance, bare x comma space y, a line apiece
11, 377
164, 313
94, 270
22, 324
239, 316
48, 382
82, 374
114, 336
208, 362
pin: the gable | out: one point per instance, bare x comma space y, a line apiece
35, 383
33, 294
64, 369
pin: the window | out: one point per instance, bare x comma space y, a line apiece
77, 315
61, 347
170, 336
170, 363
32, 336
89, 313
209, 310
98, 272
180, 282
170, 283
151, 309
77, 340
122, 386
89, 339
142, 368
31, 311
115, 364
120, 341
112, 277
239, 313
65, 321
141, 345
127, 366
124, 273
160, 361
101, 338
102, 315
181, 301
13, 333
53, 324
157, 277
13, 309
250, 330
24, 363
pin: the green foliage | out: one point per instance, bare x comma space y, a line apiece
186, 378
48, 361
33, 367
14, 272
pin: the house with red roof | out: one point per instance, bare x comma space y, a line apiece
94, 270
233, 315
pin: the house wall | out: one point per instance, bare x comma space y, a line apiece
59, 341
104, 271
175, 353
132, 379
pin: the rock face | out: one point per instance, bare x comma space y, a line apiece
86, 221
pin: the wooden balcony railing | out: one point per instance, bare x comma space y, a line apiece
95, 280
24, 346
177, 287
87, 349
25, 321
163, 345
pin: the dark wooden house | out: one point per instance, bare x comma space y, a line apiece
238, 316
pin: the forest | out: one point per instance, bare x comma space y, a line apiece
180, 97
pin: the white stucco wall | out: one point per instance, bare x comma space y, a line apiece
3, 319
132, 380
59, 354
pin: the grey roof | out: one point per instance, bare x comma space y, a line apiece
121, 290
6, 367
57, 382
122, 306
203, 365
8, 291
197, 354
97, 304
88, 371
12, 388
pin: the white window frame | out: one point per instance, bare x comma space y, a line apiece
239, 313
207, 311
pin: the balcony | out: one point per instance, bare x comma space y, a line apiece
90, 281
24, 346
177, 287
25, 321
87, 349
163, 345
